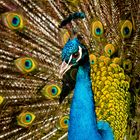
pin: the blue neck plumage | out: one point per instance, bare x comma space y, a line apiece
82, 115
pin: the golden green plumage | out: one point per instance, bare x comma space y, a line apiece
112, 98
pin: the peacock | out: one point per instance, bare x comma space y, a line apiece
69, 69
75, 54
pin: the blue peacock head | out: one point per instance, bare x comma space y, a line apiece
73, 54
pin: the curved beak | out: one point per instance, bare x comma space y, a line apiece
66, 66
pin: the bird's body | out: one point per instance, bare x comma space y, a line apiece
82, 110
82, 115
102, 79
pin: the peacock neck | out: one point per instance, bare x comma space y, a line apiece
82, 115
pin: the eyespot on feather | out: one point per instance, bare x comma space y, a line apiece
127, 65
13, 20
125, 28
26, 64
64, 122
109, 49
93, 59
25, 119
51, 91
97, 29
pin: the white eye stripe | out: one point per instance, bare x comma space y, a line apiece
70, 59
80, 52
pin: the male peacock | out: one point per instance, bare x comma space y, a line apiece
30, 56
82, 115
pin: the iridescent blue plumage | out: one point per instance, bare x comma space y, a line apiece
71, 47
83, 125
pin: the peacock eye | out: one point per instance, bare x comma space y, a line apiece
28, 118
25, 119
64, 122
127, 65
26, 64
97, 29
109, 49
51, 91
126, 28
75, 55
93, 59
54, 90
13, 20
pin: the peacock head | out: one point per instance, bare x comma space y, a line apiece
73, 54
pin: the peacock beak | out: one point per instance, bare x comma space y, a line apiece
65, 67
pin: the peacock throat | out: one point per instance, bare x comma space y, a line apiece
82, 115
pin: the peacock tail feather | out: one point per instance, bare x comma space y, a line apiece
30, 56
